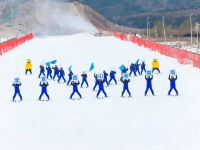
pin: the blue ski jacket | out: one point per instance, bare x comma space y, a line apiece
125, 82
44, 86
172, 81
149, 81
75, 85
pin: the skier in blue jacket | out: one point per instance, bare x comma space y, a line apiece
172, 84
49, 72
42, 71
100, 83
16, 85
70, 77
143, 67
61, 75
125, 87
132, 69
106, 77
149, 84
137, 68
44, 86
75, 89
84, 79
95, 85
56, 72
112, 77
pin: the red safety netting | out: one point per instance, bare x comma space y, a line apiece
183, 56
9, 45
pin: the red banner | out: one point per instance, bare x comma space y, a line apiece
183, 56
9, 45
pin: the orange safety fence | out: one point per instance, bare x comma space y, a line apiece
183, 56
9, 45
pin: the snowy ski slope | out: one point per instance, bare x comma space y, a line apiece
138, 123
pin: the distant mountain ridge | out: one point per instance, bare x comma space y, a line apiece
51, 18
135, 12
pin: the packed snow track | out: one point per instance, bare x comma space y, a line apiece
156, 122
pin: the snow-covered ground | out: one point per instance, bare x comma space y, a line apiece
140, 123
183, 46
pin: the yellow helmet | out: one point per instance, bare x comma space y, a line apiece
28, 60
155, 59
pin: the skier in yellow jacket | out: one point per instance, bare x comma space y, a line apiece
28, 67
155, 65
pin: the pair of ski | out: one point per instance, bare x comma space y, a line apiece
101, 97
43, 100
17, 101
82, 98
126, 97
173, 95
75, 99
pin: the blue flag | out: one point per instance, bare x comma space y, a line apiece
54, 62
70, 69
122, 68
137, 61
51, 62
48, 64
91, 66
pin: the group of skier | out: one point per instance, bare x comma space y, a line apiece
100, 79
59, 74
